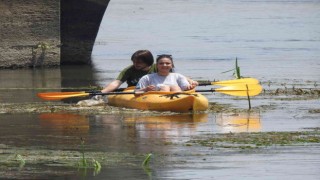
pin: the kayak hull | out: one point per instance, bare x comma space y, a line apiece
161, 101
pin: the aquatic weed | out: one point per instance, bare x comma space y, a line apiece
237, 70
84, 163
21, 160
145, 165
147, 160
238, 76
97, 167
13, 161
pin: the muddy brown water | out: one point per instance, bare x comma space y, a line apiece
272, 42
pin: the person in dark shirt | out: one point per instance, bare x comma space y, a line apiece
142, 64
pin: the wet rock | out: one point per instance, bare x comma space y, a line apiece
94, 101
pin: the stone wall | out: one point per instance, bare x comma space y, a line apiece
29, 33
43, 33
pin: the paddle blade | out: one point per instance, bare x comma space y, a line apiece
236, 82
61, 95
241, 90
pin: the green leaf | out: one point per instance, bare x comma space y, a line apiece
147, 160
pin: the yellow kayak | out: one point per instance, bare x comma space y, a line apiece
161, 101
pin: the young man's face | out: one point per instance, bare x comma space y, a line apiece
139, 64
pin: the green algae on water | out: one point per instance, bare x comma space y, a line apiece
258, 139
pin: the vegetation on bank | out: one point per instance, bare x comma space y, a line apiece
88, 161
12, 156
258, 139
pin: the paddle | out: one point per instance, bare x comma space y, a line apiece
63, 95
230, 82
235, 90
238, 90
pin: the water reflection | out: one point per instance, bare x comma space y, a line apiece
239, 122
65, 124
22, 85
53, 131
63, 129
166, 127
150, 121
78, 76
166, 122
142, 133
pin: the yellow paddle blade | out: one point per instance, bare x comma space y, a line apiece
61, 95
241, 90
236, 81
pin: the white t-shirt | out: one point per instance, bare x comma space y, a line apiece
156, 80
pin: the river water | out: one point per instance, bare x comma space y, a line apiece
277, 42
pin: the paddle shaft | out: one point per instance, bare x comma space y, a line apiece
120, 93
112, 93
236, 90
243, 92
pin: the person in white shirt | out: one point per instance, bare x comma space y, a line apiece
165, 79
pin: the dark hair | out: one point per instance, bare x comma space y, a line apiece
144, 55
165, 56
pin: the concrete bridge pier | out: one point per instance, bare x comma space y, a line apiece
42, 33
80, 22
